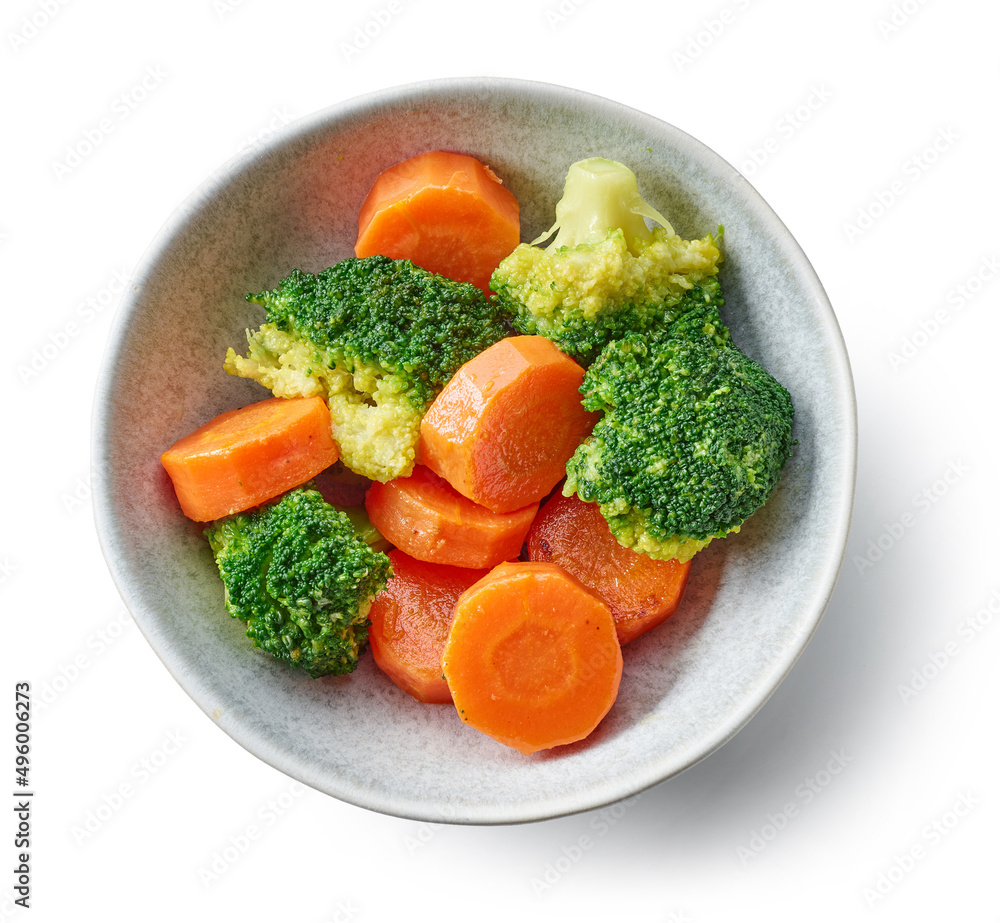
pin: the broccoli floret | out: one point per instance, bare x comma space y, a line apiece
692, 440
605, 274
297, 573
378, 338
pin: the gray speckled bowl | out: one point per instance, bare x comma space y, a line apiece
753, 601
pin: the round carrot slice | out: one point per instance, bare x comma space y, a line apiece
447, 212
532, 658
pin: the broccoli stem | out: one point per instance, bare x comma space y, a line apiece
601, 195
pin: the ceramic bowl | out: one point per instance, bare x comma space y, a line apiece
753, 601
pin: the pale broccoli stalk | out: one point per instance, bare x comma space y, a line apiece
601, 196
606, 273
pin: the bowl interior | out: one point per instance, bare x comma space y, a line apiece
753, 600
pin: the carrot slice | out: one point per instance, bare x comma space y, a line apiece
640, 592
246, 456
410, 620
446, 212
502, 429
429, 520
532, 658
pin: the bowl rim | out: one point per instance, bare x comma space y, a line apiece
110, 536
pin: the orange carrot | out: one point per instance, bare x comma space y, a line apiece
532, 658
501, 431
247, 456
446, 212
640, 592
410, 622
430, 521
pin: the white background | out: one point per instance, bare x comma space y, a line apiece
869, 785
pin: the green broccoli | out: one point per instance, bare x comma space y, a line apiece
692, 440
378, 338
297, 573
606, 273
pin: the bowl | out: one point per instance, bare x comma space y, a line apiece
753, 600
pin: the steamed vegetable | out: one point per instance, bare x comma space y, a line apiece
532, 658
377, 339
692, 438
410, 621
243, 457
297, 573
605, 273
640, 591
446, 212
426, 517
501, 431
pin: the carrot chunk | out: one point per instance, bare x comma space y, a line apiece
410, 620
502, 429
532, 658
246, 456
446, 212
429, 520
640, 592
